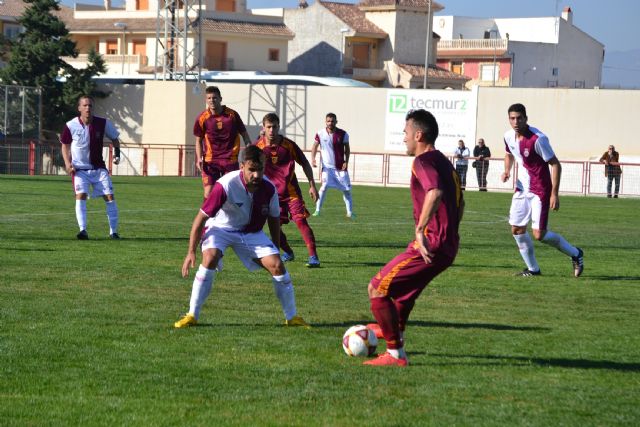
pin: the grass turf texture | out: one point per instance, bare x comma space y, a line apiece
86, 334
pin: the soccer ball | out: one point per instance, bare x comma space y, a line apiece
359, 341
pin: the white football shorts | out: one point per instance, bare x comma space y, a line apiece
336, 178
247, 246
99, 179
527, 207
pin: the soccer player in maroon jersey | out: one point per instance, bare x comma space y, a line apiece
282, 155
217, 130
437, 210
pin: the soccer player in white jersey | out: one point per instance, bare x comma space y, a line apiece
233, 215
334, 153
82, 143
536, 191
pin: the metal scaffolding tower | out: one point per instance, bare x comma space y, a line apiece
178, 40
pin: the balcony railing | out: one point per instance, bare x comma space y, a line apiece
474, 44
116, 64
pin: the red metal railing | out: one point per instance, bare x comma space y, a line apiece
380, 169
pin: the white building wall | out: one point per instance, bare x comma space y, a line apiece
308, 53
410, 38
579, 58
250, 54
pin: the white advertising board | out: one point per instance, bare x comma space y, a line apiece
454, 110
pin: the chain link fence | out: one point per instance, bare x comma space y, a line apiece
19, 125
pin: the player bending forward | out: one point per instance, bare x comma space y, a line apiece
233, 215
536, 191
437, 210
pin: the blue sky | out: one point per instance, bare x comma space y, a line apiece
613, 23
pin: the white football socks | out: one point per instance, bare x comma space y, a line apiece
202, 284
81, 214
283, 288
525, 245
398, 353
348, 201
559, 242
112, 215
321, 195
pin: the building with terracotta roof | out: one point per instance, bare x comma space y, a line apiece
231, 38
10, 11
380, 42
520, 52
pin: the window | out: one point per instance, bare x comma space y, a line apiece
554, 71
274, 55
11, 31
488, 72
226, 5
456, 67
112, 47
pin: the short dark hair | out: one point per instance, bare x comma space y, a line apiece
252, 154
271, 118
332, 115
425, 122
86, 97
518, 108
213, 89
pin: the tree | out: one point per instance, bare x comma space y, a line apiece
35, 59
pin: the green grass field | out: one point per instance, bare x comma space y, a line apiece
86, 334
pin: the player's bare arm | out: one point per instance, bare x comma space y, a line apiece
199, 159
508, 164
66, 155
246, 138
429, 207
116, 150
556, 173
308, 172
314, 151
347, 154
194, 238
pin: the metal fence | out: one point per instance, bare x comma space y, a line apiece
377, 169
19, 114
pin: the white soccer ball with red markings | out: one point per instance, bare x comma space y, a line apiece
359, 341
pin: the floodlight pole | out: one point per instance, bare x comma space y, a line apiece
428, 38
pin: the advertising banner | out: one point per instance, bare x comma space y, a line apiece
454, 110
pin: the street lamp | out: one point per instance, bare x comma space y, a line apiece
524, 75
495, 31
343, 31
426, 49
123, 27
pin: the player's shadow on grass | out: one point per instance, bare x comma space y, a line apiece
453, 325
497, 360
617, 278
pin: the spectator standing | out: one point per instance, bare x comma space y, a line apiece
612, 170
461, 156
482, 154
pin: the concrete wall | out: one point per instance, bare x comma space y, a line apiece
314, 51
579, 122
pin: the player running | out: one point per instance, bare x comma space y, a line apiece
282, 155
536, 191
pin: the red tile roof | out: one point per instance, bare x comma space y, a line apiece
149, 25
434, 72
402, 3
351, 15
244, 27
13, 8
